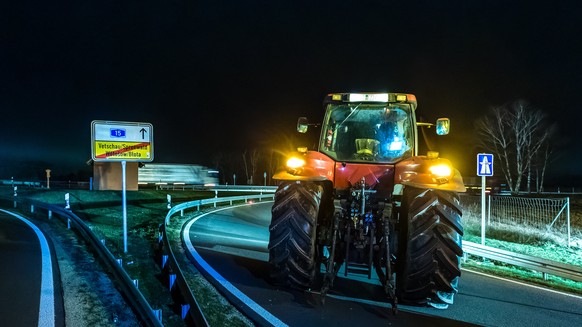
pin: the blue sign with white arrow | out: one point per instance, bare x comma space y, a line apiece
484, 164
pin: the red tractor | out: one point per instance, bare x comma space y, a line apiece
366, 203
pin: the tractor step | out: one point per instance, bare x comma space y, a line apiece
358, 269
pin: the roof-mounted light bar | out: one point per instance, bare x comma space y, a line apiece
373, 97
368, 97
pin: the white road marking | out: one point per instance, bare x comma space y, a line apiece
226, 284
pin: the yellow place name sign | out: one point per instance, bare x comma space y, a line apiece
122, 150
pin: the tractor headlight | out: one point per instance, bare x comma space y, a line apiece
441, 171
295, 163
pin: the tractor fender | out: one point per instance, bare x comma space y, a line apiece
318, 167
415, 172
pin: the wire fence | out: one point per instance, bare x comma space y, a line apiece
539, 213
542, 215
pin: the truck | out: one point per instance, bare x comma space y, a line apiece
366, 203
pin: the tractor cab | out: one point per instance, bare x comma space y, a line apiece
367, 132
370, 127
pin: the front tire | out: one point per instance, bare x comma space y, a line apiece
292, 255
430, 247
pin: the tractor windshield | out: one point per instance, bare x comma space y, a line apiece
367, 132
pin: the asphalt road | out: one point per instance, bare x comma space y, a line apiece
233, 244
27, 296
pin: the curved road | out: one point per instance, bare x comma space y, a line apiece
27, 296
232, 244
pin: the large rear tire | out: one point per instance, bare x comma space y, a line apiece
430, 247
292, 255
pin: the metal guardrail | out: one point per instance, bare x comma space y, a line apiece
133, 296
194, 310
521, 260
242, 188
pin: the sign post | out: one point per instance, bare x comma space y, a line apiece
484, 169
48, 178
122, 142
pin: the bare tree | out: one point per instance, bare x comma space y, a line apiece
254, 161
219, 164
514, 133
274, 162
543, 159
244, 157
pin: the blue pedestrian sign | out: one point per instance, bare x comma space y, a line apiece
484, 164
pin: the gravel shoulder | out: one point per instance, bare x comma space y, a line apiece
89, 295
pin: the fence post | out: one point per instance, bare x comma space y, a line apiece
568, 217
489, 210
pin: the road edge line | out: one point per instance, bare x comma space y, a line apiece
240, 296
46, 314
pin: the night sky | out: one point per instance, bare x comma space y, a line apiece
224, 76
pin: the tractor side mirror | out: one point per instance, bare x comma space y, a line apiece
302, 124
443, 126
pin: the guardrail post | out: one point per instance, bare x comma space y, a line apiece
32, 208
169, 198
135, 282
172, 280
50, 214
67, 202
119, 261
164, 260
158, 314
103, 241
15, 190
68, 223
182, 213
185, 309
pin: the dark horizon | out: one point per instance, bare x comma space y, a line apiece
224, 78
